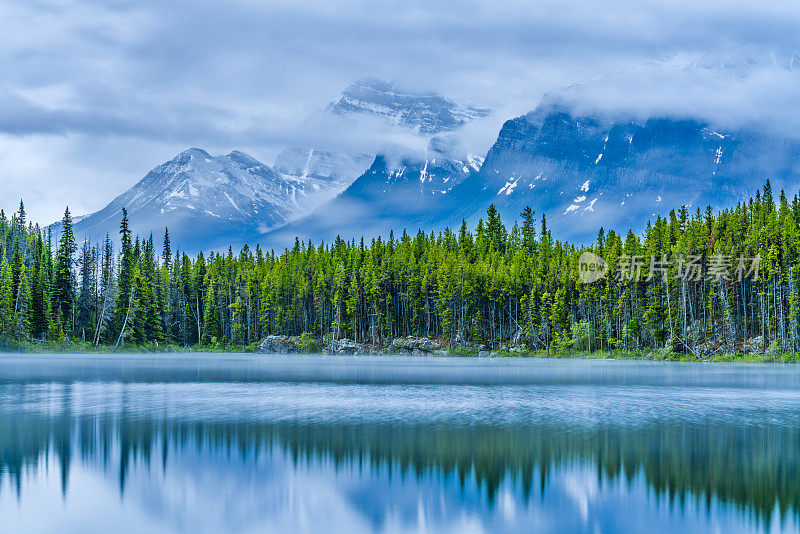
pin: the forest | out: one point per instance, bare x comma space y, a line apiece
490, 285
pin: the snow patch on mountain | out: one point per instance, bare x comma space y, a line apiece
389, 111
200, 197
426, 114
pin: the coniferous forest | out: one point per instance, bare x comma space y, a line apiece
492, 285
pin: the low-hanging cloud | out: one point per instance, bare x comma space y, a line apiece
101, 91
752, 89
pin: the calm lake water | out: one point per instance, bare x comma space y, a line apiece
239, 443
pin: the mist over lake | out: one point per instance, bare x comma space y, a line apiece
240, 443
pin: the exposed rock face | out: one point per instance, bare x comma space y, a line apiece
417, 345
395, 189
212, 202
203, 199
410, 345
587, 171
423, 113
421, 346
348, 346
753, 345
278, 345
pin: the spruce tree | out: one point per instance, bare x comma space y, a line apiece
86, 303
22, 319
528, 230
17, 265
40, 298
6, 301
64, 286
127, 270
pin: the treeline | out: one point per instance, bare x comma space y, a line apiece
494, 286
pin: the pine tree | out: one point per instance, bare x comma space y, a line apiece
166, 253
487, 286
107, 286
212, 328
6, 301
64, 286
22, 318
528, 230
125, 280
40, 299
17, 266
86, 303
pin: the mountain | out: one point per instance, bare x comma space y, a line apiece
583, 171
400, 186
424, 113
590, 171
619, 150
210, 202
615, 151
394, 193
332, 170
203, 200
382, 109
612, 151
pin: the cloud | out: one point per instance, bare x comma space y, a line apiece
755, 89
150, 78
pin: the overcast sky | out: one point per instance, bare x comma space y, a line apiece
93, 94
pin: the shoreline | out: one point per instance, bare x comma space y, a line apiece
77, 348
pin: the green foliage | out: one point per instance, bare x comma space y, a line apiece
308, 344
463, 351
64, 287
494, 286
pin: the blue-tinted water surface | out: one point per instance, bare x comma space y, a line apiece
239, 443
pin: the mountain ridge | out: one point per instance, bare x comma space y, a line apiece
206, 201
585, 172
200, 197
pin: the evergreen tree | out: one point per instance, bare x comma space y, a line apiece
125, 280
64, 286
6, 301
87, 294
488, 286
40, 298
22, 305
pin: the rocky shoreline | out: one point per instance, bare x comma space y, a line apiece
421, 346
410, 345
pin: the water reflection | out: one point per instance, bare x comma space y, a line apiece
175, 455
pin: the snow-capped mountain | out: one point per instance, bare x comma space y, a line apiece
202, 198
585, 172
394, 193
398, 187
444, 165
387, 110
447, 163
208, 202
582, 162
333, 170
620, 150
425, 113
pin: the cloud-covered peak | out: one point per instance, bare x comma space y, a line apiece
103, 90
192, 153
423, 112
744, 87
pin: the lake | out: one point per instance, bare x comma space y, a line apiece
357, 444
